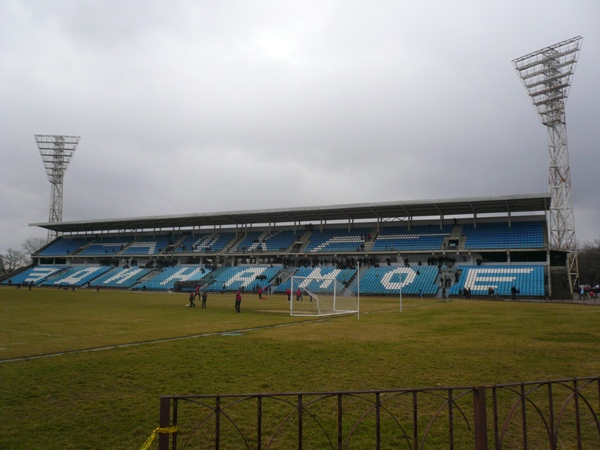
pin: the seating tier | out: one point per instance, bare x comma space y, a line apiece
75, 276
105, 246
417, 238
149, 245
234, 278
336, 240
213, 242
528, 279
64, 246
343, 276
395, 279
121, 277
35, 275
166, 279
501, 236
267, 241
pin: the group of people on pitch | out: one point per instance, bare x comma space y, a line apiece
203, 295
196, 293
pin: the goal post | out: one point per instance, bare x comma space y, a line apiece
321, 296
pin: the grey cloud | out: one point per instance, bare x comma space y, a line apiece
204, 106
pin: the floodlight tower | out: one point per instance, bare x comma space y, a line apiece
56, 152
546, 75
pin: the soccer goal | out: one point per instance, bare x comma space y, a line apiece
320, 296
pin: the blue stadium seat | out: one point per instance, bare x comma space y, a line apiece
35, 275
204, 242
266, 241
75, 276
121, 277
106, 246
149, 245
234, 278
390, 280
64, 247
528, 279
343, 276
417, 238
166, 279
501, 236
336, 240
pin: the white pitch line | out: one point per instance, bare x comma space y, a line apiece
156, 341
33, 332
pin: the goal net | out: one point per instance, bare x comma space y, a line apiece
320, 296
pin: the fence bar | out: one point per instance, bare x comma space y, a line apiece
480, 418
514, 396
496, 420
299, 421
577, 415
174, 439
598, 383
450, 420
553, 432
164, 422
378, 419
415, 421
340, 424
259, 422
524, 416
217, 422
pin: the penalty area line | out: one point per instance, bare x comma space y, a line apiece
5, 330
236, 332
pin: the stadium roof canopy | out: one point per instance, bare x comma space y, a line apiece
385, 211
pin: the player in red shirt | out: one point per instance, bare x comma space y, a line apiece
238, 301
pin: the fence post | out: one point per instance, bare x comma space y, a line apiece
340, 423
480, 418
164, 422
300, 408
259, 422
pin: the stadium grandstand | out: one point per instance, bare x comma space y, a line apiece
481, 245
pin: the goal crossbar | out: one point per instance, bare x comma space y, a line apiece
320, 296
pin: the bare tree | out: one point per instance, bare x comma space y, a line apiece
32, 245
589, 262
12, 260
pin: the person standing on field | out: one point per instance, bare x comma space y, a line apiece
238, 301
204, 297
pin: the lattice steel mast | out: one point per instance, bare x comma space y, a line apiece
56, 152
546, 75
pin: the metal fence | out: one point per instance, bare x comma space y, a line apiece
555, 414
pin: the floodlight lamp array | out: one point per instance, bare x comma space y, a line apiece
56, 153
546, 75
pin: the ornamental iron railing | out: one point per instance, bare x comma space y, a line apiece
551, 415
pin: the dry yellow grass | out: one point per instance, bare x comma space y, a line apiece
109, 399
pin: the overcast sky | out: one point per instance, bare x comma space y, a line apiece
206, 106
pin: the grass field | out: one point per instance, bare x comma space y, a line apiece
147, 345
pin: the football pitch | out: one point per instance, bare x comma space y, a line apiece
86, 369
